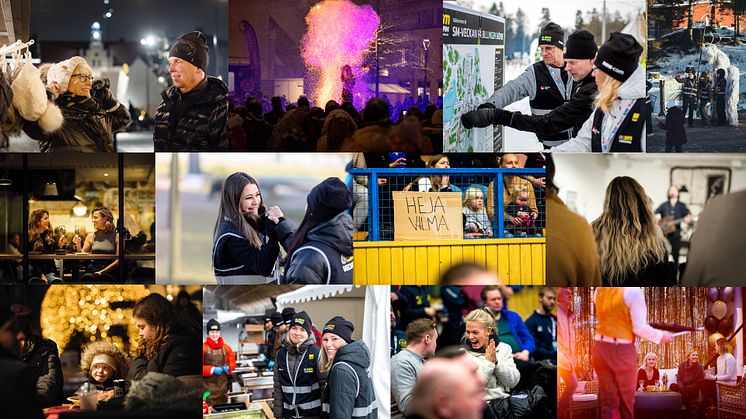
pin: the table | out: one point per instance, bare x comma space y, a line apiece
88, 256
655, 402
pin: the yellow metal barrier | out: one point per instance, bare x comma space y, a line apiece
516, 261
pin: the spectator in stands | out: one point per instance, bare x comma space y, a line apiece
496, 364
449, 388
422, 336
476, 222
542, 324
518, 207
468, 274
512, 186
414, 303
510, 327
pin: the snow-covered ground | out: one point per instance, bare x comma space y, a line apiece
519, 140
674, 64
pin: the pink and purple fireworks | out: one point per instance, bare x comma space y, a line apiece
338, 33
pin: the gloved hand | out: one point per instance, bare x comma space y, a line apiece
100, 91
485, 115
226, 368
217, 370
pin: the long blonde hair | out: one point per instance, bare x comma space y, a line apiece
325, 364
607, 93
627, 234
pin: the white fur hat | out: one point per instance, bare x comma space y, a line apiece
30, 99
62, 71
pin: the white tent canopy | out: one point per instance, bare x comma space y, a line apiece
310, 293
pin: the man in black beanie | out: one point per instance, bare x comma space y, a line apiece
581, 50
320, 251
193, 115
546, 83
618, 122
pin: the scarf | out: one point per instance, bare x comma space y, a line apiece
214, 344
80, 104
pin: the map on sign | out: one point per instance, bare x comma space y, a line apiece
465, 91
473, 62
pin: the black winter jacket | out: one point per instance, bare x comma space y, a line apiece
235, 260
87, 128
302, 378
43, 360
349, 390
572, 114
325, 255
177, 357
194, 121
17, 389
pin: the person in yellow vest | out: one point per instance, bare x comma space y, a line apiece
622, 315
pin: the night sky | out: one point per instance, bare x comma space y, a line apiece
70, 20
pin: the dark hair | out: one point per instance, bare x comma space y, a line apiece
376, 110
303, 102
254, 107
276, 102
489, 288
158, 312
551, 170
230, 209
543, 291
330, 106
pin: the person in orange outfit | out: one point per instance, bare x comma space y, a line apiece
218, 361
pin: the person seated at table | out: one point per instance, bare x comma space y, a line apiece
102, 363
689, 379
476, 222
648, 374
726, 371
168, 343
104, 240
41, 240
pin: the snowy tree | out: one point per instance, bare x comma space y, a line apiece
520, 31
579, 24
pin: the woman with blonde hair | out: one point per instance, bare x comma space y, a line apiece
103, 240
648, 374
42, 240
618, 122
495, 359
630, 244
90, 111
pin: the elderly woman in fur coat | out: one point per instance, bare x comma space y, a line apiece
91, 112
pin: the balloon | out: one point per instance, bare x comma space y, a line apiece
719, 309
712, 293
726, 326
713, 338
711, 324
727, 294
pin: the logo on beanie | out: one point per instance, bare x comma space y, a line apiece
546, 38
214, 327
612, 68
300, 320
186, 47
329, 327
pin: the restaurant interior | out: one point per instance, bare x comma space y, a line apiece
72, 189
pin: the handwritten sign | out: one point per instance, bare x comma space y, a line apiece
428, 216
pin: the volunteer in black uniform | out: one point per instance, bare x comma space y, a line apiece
581, 50
618, 123
297, 393
689, 94
720, 97
546, 83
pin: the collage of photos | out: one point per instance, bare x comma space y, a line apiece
372, 209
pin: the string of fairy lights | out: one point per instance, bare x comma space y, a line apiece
91, 311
